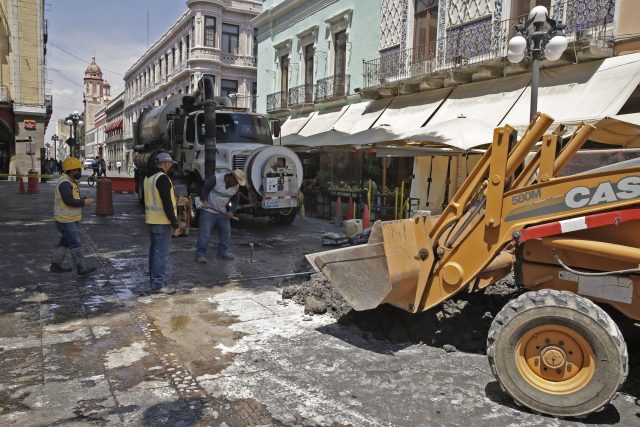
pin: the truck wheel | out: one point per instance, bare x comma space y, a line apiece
285, 218
557, 353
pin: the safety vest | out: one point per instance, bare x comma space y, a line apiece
61, 211
153, 208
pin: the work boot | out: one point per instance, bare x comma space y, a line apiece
57, 268
81, 263
226, 256
168, 290
201, 259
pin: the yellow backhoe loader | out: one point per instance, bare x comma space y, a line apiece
574, 241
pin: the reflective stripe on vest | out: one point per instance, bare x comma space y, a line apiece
61, 211
153, 208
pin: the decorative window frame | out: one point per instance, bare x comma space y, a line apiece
338, 22
281, 49
305, 38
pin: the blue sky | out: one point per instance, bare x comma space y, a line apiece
113, 31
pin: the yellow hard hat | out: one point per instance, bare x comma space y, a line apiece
71, 163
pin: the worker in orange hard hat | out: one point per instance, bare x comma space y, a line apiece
67, 212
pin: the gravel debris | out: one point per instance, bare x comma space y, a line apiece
459, 324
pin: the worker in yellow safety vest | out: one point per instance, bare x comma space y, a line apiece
161, 216
67, 213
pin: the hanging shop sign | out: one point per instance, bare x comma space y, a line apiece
29, 125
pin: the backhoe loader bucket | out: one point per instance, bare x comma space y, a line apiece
388, 269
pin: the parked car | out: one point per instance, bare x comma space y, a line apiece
88, 164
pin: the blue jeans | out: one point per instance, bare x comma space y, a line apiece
209, 222
160, 236
68, 234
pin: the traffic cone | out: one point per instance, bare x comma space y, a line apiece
366, 221
338, 217
21, 189
350, 208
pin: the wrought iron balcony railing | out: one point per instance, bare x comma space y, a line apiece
276, 102
301, 95
587, 21
332, 87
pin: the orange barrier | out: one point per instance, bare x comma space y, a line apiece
123, 185
33, 184
350, 208
366, 221
104, 201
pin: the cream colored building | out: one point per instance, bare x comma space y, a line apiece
211, 37
25, 110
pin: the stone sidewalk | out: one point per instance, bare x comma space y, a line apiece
219, 352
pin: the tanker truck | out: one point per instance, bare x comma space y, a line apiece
184, 127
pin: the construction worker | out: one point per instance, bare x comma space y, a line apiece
67, 213
217, 191
161, 215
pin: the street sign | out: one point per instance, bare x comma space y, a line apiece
29, 125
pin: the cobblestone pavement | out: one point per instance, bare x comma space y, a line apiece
219, 352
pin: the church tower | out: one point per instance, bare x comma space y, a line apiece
96, 91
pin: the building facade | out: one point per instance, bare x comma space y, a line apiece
25, 109
311, 52
116, 150
429, 65
211, 37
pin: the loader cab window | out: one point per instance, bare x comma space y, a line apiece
236, 127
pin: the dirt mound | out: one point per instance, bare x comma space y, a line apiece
461, 323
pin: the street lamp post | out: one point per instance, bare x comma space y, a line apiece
537, 42
73, 120
55, 139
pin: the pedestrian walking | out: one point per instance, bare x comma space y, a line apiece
119, 166
161, 216
102, 168
217, 191
67, 213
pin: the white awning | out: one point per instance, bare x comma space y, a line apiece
461, 132
411, 111
294, 124
369, 116
355, 113
588, 91
322, 121
487, 101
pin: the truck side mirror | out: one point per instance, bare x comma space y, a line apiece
275, 128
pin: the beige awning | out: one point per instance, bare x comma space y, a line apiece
621, 130
322, 121
487, 101
583, 92
411, 111
295, 123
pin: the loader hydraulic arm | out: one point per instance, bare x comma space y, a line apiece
418, 263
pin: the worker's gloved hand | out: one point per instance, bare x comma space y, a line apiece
176, 232
88, 201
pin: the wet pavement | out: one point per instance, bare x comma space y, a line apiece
218, 352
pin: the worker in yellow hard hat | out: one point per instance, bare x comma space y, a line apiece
67, 213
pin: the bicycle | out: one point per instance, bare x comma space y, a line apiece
91, 180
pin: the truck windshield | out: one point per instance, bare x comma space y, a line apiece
238, 127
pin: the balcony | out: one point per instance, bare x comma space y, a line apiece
301, 95
277, 102
477, 50
333, 87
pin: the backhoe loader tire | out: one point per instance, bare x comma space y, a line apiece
557, 353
